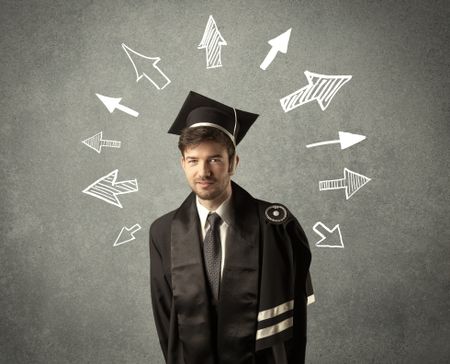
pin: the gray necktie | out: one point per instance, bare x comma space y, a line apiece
212, 252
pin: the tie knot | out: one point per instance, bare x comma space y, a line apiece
213, 219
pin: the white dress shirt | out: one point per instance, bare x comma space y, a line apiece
224, 211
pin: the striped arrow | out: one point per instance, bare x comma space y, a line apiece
106, 188
213, 41
96, 142
351, 182
320, 87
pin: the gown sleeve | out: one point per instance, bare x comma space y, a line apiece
161, 295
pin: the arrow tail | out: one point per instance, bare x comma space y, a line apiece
111, 143
322, 143
269, 58
128, 110
333, 184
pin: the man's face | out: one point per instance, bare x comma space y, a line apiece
207, 170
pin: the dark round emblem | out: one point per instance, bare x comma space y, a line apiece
276, 213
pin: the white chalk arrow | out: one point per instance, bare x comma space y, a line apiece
153, 74
320, 87
345, 139
127, 234
351, 182
106, 188
213, 41
333, 236
279, 44
96, 142
113, 103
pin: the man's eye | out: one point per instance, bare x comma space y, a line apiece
215, 160
192, 161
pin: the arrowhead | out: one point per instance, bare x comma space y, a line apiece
127, 234
281, 42
349, 139
354, 181
110, 102
331, 238
94, 142
211, 31
137, 58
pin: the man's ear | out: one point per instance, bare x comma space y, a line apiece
183, 162
234, 164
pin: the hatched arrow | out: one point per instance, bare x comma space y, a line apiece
320, 87
279, 44
345, 139
140, 63
107, 189
351, 182
113, 103
333, 237
97, 142
127, 234
212, 41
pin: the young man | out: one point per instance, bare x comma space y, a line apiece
229, 273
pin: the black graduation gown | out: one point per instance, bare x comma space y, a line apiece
261, 316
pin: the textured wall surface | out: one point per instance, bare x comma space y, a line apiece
68, 296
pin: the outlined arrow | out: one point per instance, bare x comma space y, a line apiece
106, 188
113, 103
345, 139
333, 236
213, 41
351, 182
279, 44
154, 75
96, 142
320, 87
127, 234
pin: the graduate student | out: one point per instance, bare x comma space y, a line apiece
229, 273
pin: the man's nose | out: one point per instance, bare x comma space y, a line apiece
205, 171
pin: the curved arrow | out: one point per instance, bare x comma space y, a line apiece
345, 139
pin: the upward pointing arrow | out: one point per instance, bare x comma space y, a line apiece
279, 44
155, 75
213, 41
113, 103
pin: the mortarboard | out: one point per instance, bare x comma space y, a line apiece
199, 110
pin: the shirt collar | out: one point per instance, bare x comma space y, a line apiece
224, 211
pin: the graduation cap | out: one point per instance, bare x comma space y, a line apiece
199, 110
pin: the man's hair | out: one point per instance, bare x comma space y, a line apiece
191, 137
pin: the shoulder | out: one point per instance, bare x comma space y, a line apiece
274, 213
161, 226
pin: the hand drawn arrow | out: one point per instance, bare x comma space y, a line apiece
345, 139
96, 142
157, 78
106, 188
320, 87
113, 103
213, 41
127, 234
279, 44
351, 182
333, 235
